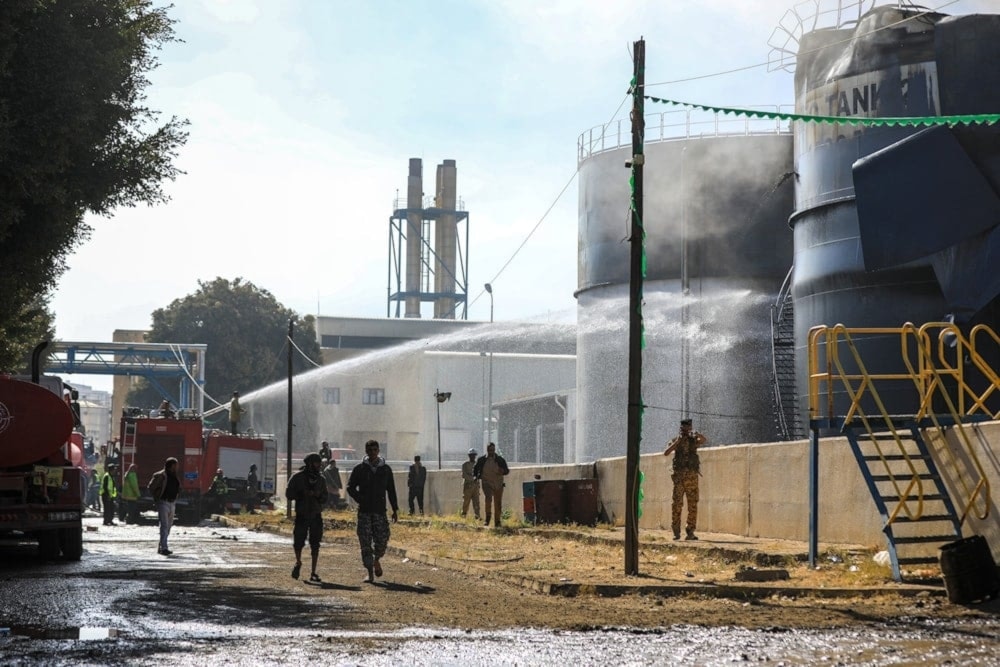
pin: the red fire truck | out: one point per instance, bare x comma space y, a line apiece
148, 439
41, 495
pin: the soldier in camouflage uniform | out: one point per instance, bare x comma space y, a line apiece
685, 478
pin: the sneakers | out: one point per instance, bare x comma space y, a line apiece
164, 552
690, 535
371, 576
296, 571
487, 521
314, 577
378, 568
677, 535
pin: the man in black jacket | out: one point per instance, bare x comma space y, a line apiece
370, 482
308, 489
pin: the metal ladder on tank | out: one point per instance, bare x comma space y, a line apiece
918, 515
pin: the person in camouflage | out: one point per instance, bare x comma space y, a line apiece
685, 478
369, 484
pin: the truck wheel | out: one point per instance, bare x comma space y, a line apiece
48, 544
71, 543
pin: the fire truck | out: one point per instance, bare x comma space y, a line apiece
41, 491
148, 438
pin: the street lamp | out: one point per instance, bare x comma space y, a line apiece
441, 397
489, 400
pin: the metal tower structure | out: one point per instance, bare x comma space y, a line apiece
433, 236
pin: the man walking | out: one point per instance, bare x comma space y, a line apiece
130, 495
109, 491
490, 469
415, 483
470, 485
308, 489
164, 487
369, 484
235, 412
685, 477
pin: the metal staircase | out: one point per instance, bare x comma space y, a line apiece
918, 515
785, 399
950, 386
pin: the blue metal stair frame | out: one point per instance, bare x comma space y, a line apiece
897, 424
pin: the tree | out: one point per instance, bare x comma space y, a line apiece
75, 137
246, 331
32, 325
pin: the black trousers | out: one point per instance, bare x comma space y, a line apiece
109, 510
416, 493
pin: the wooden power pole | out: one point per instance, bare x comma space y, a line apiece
634, 428
288, 437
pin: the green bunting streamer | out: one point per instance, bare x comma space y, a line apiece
964, 119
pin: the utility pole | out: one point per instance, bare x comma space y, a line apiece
634, 431
288, 437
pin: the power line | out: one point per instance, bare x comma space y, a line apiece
544, 215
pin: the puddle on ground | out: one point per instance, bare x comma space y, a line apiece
86, 633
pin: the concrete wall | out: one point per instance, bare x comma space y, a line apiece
759, 490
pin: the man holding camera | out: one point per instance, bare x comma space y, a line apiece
686, 471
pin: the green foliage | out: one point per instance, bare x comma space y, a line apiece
32, 325
75, 137
245, 329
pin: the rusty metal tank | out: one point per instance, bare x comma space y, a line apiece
717, 200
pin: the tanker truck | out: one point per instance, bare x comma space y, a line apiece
41, 494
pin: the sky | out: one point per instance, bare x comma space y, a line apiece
305, 113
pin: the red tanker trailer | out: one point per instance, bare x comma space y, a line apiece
40, 488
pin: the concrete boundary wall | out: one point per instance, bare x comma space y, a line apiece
757, 490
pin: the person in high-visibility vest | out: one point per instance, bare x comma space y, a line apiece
218, 492
130, 496
109, 491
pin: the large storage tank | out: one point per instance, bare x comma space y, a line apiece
883, 66
718, 249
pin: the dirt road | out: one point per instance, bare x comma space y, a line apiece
227, 595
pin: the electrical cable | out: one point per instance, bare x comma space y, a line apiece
299, 350
694, 412
176, 349
542, 219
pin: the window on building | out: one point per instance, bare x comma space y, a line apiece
331, 395
373, 396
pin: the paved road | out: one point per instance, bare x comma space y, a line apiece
124, 604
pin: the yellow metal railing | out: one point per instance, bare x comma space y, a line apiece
935, 367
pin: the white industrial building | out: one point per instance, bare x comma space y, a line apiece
388, 389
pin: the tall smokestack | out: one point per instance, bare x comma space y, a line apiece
414, 233
445, 239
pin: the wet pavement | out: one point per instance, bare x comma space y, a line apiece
123, 604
